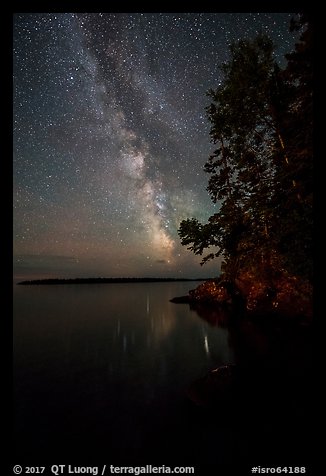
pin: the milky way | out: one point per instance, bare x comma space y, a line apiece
110, 136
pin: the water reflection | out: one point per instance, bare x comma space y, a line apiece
266, 396
147, 304
215, 316
273, 369
206, 345
107, 367
102, 358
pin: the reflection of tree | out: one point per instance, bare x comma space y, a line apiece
251, 344
215, 315
272, 371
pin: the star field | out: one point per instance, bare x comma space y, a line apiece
110, 136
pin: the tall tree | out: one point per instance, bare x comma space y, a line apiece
256, 168
293, 205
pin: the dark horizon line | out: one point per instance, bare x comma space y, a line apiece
106, 280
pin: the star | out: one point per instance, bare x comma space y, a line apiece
111, 135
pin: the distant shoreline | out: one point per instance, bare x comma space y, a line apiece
107, 280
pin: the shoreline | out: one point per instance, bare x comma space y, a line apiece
52, 281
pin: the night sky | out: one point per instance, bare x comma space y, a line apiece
110, 137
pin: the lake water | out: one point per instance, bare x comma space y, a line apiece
105, 369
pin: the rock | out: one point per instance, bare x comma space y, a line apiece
213, 292
214, 388
254, 294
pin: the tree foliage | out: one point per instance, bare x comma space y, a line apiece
260, 171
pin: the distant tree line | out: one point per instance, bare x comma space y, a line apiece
104, 280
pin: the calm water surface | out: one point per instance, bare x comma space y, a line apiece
106, 366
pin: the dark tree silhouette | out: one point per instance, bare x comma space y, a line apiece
261, 168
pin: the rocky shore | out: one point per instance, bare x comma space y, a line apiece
269, 326
285, 295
